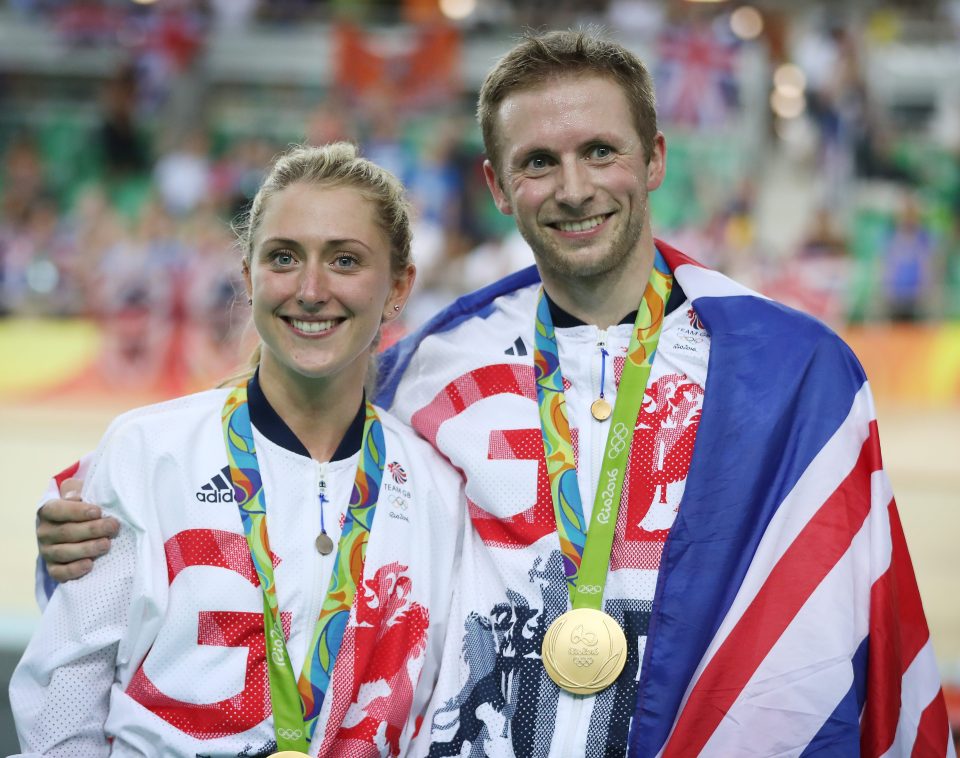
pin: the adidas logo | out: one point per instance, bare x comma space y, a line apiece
218, 489
517, 348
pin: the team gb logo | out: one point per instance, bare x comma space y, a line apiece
397, 472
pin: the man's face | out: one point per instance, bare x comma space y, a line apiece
574, 175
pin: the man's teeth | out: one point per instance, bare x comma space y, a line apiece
312, 326
580, 226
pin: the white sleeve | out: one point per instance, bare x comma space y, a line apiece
60, 690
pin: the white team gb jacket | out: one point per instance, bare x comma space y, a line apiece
159, 651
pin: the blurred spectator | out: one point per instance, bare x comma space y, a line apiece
121, 143
134, 296
24, 183
817, 278
907, 259
36, 264
236, 175
183, 175
952, 269
232, 16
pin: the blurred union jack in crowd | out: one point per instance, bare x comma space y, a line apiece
695, 76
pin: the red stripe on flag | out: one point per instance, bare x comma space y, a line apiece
933, 732
811, 556
898, 631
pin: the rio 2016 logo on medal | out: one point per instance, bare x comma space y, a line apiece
584, 651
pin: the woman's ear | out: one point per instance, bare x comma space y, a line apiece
399, 292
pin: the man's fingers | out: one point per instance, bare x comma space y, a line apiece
65, 553
58, 511
55, 532
64, 572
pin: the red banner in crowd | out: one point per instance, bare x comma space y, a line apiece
420, 64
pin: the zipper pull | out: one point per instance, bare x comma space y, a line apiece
322, 483
600, 408
323, 542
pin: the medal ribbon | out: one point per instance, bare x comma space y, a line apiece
586, 556
296, 703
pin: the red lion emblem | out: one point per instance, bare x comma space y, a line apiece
660, 456
381, 655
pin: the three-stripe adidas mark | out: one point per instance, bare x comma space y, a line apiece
517, 348
218, 489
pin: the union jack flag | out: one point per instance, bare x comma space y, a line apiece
807, 632
696, 76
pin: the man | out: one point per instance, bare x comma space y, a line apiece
754, 585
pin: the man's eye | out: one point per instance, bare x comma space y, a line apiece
538, 163
601, 151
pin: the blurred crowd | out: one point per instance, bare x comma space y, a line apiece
127, 218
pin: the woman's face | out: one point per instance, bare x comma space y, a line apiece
321, 282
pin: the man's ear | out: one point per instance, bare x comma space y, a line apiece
496, 189
657, 162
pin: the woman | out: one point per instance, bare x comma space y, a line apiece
184, 640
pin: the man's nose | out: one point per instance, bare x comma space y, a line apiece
576, 183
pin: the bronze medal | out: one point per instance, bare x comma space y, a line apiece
584, 651
324, 544
600, 409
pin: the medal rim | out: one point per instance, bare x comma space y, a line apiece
617, 635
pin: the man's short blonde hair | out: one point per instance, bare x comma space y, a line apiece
539, 57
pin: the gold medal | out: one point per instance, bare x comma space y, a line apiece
324, 544
600, 409
584, 651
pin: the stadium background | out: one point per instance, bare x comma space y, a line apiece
814, 154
